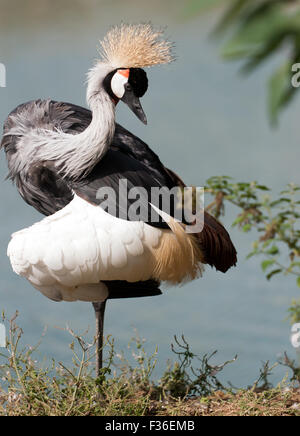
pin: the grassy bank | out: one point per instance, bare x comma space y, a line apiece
188, 387
273, 402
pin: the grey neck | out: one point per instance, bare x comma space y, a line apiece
76, 155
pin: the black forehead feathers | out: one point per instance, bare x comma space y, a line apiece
139, 81
107, 84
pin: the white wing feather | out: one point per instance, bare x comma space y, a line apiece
66, 255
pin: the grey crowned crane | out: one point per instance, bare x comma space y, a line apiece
60, 155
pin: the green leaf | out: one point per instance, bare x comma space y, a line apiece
272, 273
298, 282
281, 200
231, 14
293, 264
279, 85
266, 264
246, 228
238, 220
263, 188
265, 51
273, 250
267, 243
253, 253
255, 33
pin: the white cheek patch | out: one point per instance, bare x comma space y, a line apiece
118, 83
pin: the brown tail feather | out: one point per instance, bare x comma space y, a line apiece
216, 245
214, 240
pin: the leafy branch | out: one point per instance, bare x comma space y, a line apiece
259, 29
276, 221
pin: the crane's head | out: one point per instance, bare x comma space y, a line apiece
125, 51
128, 85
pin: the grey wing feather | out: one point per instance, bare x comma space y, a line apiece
39, 184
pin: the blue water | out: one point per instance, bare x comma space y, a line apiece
203, 120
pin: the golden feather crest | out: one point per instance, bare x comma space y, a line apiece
135, 46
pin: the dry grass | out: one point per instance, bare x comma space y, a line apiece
126, 388
273, 402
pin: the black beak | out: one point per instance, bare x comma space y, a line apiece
134, 104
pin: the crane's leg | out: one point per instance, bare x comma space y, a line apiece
99, 313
